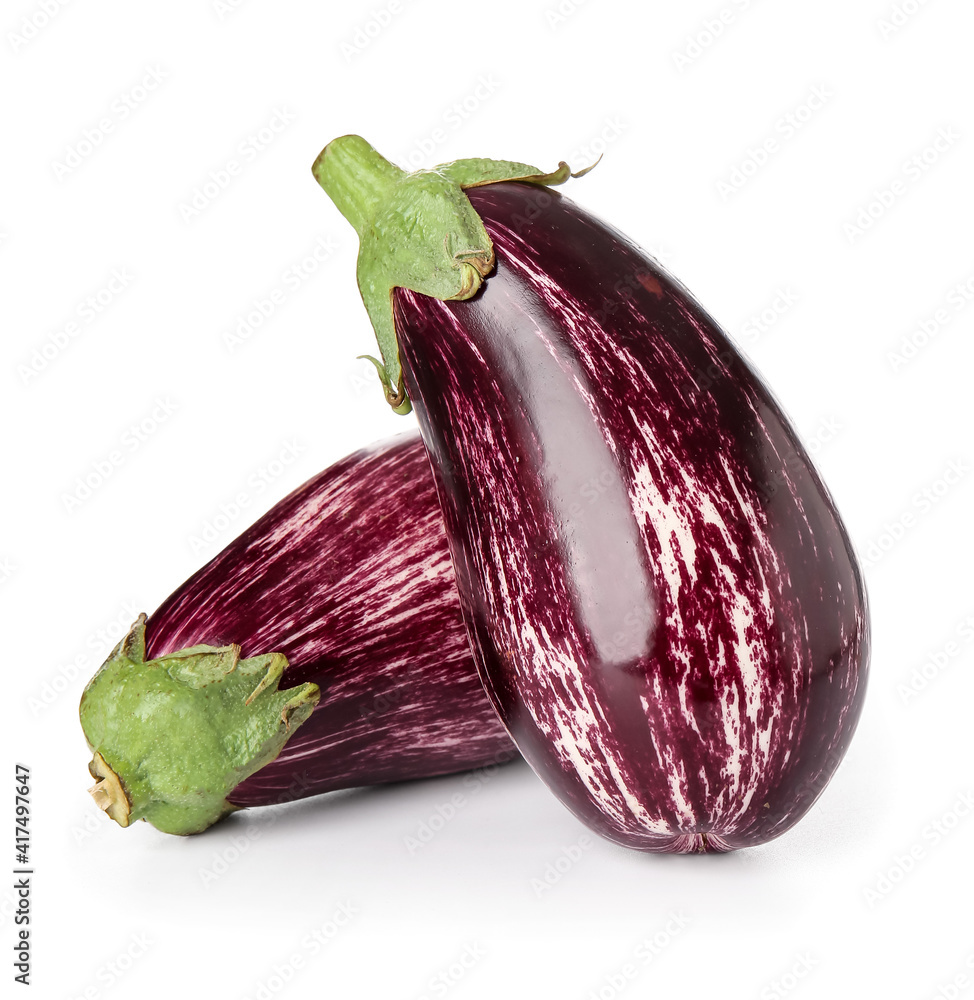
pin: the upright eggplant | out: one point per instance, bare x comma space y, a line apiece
663, 603
368, 634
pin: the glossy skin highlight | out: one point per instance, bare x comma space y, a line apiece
664, 605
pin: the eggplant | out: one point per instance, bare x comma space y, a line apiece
664, 605
185, 719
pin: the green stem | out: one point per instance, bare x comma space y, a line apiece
356, 178
416, 230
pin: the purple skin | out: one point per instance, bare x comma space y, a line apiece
664, 605
350, 578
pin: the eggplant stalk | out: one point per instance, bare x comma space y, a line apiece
416, 230
172, 737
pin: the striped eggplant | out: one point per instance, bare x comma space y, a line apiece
663, 603
185, 719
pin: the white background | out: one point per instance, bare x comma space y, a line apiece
870, 894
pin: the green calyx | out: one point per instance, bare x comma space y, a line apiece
416, 230
172, 737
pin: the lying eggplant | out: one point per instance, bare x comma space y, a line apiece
368, 634
664, 605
